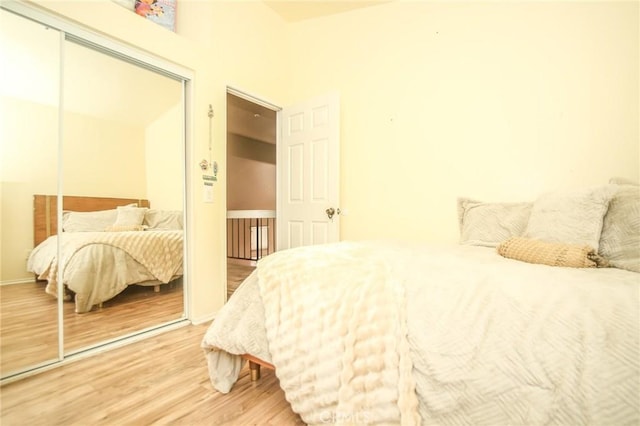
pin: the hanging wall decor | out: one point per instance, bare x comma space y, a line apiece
162, 12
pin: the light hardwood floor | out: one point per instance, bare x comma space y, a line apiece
236, 273
29, 331
161, 380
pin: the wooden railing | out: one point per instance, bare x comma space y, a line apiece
251, 234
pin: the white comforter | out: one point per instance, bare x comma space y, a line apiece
491, 340
99, 265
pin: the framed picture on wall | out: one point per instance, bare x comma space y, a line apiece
127, 4
162, 12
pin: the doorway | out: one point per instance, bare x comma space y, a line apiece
251, 184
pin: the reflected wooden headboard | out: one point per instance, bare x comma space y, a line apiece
45, 213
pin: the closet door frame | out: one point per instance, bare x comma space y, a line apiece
72, 31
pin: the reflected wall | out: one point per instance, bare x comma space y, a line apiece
79, 121
29, 133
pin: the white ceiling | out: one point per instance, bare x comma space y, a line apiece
298, 10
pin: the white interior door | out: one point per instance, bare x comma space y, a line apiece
309, 173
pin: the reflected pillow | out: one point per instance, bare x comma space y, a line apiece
88, 221
124, 228
570, 217
489, 224
130, 216
163, 219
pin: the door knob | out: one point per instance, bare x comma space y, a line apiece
331, 211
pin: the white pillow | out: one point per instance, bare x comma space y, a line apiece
163, 219
622, 181
620, 238
125, 228
489, 224
570, 217
130, 216
95, 221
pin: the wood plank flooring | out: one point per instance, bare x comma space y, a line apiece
236, 273
161, 380
29, 320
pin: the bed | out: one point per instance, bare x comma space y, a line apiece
533, 318
107, 244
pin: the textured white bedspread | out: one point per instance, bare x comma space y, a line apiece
99, 265
492, 340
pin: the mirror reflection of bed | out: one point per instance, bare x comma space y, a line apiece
122, 138
116, 249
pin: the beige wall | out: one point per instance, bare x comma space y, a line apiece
497, 100
164, 161
103, 158
251, 176
29, 165
94, 165
222, 43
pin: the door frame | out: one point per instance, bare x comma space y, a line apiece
258, 100
103, 43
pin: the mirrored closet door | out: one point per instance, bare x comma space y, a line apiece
123, 138
29, 132
93, 194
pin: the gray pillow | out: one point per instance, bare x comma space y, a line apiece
130, 216
570, 217
96, 221
620, 238
489, 224
163, 219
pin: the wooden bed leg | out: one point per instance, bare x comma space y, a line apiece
255, 371
156, 289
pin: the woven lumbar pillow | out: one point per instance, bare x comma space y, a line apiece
553, 254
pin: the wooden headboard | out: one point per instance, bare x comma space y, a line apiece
45, 212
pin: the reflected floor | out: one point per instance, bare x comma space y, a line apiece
29, 324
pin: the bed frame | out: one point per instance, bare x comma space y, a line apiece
45, 212
254, 365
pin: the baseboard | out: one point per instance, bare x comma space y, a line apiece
204, 319
18, 281
242, 262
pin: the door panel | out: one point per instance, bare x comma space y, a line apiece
296, 233
319, 170
319, 233
29, 129
135, 129
61, 131
309, 179
296, 173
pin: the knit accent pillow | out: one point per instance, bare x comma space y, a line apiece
552, 254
